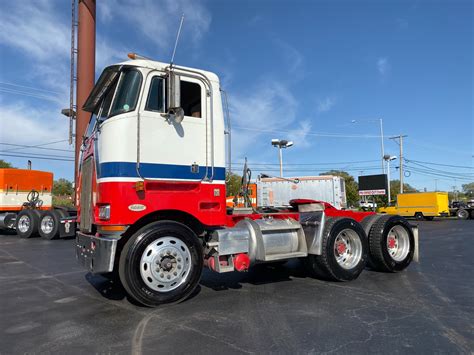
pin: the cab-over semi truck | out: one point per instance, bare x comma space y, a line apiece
152, 200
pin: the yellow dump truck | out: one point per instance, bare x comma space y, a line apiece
421, 205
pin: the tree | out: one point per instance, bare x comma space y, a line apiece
352, 187
395, 187
63, 187
468, 189
232, 184
5, 164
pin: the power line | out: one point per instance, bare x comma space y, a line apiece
37, 154
34, 157
442, 171
36, 147
447, 165
24, 93
28, 87
331, 163
33, 146
328, 135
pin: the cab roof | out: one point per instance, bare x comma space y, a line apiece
152, 64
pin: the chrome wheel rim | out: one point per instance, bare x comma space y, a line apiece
24, 224
398, 243
165, 264
47, 224
347, 249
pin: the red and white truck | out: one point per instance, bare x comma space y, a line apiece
152, 200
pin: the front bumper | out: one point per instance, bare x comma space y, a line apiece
96, 254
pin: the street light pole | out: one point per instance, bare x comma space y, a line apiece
281, 161
281, 143
381, 144
388, 158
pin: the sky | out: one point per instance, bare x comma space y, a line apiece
320, 73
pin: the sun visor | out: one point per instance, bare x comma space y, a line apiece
101, 88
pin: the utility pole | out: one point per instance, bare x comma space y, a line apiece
400, 143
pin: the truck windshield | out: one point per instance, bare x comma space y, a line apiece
127, 93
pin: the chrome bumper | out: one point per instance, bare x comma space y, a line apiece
96, 254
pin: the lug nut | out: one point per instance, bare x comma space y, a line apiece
179, 266
168, 277
168, 252
175, 273
175, 253
179, 259
162, 275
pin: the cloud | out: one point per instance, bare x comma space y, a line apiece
270, 104
36, 126
383, 66
293, 57
325, 104
33, 28
300, 134
158, 21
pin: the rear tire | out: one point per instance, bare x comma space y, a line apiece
419, 216
161, 263
49, 224
462, 213
391, 244
344, 251
27, 223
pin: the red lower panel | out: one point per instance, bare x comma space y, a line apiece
206, 202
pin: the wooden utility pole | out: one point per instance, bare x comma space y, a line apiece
400, 143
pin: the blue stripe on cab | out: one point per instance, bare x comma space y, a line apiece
157, 171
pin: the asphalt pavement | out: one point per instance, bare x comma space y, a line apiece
48, 303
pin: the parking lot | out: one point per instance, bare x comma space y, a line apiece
50, 304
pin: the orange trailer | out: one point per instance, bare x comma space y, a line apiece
26, 205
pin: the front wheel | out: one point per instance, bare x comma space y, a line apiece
161, 263
344, 251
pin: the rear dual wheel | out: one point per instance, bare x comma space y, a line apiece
161, 263
391, 243
49, 223
27, 222
344, 251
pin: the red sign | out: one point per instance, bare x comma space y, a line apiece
372, 192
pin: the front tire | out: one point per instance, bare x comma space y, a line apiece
27, 223
161, 263
344, 251
391, 243
462, 214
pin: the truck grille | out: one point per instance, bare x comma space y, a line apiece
86, 196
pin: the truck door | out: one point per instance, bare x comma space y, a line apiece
170, 150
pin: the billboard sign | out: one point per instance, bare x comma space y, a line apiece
373, 185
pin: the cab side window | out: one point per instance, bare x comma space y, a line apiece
155, 101
191, 99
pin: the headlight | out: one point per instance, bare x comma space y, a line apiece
104, 212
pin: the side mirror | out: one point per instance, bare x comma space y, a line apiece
174, 97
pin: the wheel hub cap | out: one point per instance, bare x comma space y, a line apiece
398, 243
24, 224
165, 264
47, 224
348, 249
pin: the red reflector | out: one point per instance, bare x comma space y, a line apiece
241, 262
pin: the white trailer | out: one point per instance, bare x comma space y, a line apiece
277, 192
